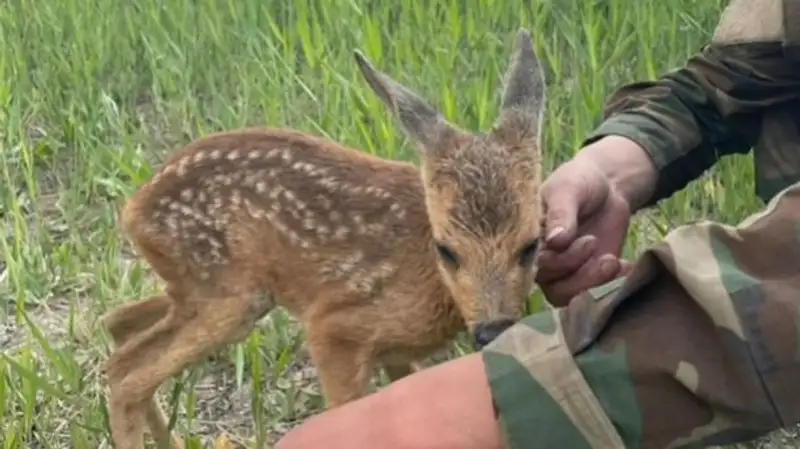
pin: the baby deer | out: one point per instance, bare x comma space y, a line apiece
383, 262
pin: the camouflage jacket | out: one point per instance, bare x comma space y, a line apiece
700, 344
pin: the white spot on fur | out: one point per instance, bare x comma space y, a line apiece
198, 157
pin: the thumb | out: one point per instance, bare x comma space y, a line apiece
561, 216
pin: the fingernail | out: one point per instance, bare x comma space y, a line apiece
555, 233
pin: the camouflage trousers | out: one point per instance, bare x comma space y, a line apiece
698, 346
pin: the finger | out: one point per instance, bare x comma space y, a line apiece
561, 216
555, 265
612, 227
595, 272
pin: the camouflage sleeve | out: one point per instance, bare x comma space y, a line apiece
698, 346
714, 105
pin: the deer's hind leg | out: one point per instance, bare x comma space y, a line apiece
194, 328
127, 321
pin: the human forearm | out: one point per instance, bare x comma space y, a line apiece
444, 407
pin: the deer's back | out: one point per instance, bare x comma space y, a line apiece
282, 203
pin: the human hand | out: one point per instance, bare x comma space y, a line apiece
588, 203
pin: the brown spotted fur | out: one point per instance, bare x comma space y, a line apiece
239, 222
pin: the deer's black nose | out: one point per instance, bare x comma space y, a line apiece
485, 333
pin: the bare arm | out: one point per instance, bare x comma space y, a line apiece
448, 406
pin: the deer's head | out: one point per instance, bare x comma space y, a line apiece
482, 191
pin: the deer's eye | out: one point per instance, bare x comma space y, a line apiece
447, 255
527, 252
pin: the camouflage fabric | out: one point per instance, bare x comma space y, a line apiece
700, 344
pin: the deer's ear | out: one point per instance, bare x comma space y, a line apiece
423, 124
524, 94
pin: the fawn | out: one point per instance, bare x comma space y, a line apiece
383, 262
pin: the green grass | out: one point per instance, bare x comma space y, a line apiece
95, 94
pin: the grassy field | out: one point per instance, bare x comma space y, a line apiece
95, 94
